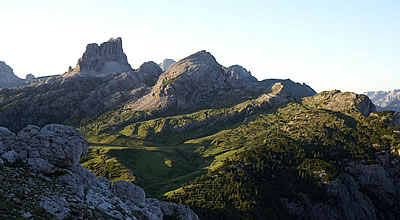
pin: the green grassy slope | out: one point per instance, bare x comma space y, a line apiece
239, 167
281, 155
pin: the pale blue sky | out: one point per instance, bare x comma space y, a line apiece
347, 45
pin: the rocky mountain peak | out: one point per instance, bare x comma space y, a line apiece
200, 57
195, 64
107, 58
7, 77
5, 70
214, 85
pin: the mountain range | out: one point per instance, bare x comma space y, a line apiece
385, 100
197, 133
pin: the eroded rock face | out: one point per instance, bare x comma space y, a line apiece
102, 60
237, 72
361, 192
8, 78
365, 105
51, 184
61, 145
61, 99
200, 81
199, 72
166, 64
341, 102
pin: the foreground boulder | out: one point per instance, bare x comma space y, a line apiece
42, 179
60, 145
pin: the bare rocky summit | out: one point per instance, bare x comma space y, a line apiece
199, 80
8, 78
104, 81
341, 102
41, 179
97, 60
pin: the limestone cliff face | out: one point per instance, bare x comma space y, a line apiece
8, 78
41, 179
97, 60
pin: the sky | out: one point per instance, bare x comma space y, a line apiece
351, 45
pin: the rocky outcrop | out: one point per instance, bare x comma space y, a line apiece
166, 63
214, 86
362, 191
341, 102
8, 78
101, 60
41, 178
30, 78
194, 83
276, 95
68, 99
239, 73
60, 145
364, 105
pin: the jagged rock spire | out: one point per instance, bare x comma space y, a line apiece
107, 58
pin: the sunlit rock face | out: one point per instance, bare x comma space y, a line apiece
166, 63
105, 59
213, 84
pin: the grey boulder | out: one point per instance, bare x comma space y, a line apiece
10, 156
127, 191
61, 145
